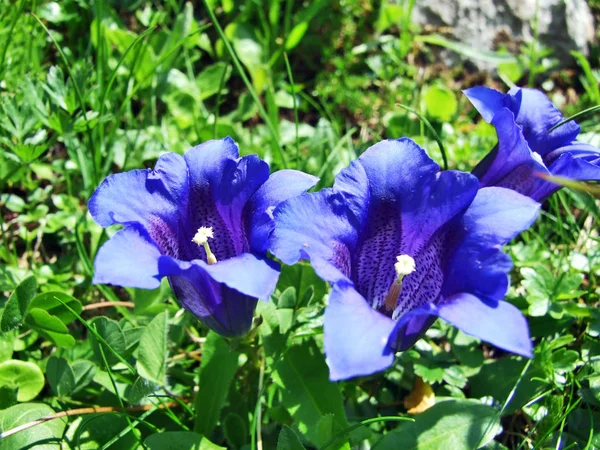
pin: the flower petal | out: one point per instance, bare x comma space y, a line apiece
406, 183
577, 165
129, 258
280, 186
410, 201
356, 336
511, 164
487, 101
537, 115
140, 196
206, 162
498, 323
315, 226
247, 274
223, 295
220, 186
477, 264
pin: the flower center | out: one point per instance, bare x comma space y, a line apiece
405, 265
201, 238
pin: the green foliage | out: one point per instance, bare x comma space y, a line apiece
451, 424
219, 364
99, 87
24, 376
46, 436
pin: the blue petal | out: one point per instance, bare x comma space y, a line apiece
487, 101
129, 258
403, 178
222, 295
280, 186
206, 162
141, 196
220, 186
477, 264
411, 327
537, 115
511, 164
498, 323
356, 336
576, 163
410, 201
315, 226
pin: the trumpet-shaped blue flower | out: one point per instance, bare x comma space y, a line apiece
527, 149
403, 243
203, 220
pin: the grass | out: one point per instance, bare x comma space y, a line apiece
90, 88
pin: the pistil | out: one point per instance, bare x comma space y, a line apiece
405, 265
201, 238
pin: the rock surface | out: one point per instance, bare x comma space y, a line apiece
563, 25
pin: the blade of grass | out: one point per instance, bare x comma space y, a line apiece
218, 101
436, 136
119, 63
11, 33
92, 329
112, 381
134, 424
242, 73
291, 77
576, 116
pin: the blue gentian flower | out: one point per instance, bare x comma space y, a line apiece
527, 149
203, 220
403, 243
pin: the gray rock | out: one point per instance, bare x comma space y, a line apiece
563, 25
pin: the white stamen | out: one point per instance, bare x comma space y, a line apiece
201, 238
405, 265
202, 235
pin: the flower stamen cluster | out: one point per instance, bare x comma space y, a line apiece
201, 238
405, 265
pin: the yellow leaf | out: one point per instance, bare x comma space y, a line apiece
420, 398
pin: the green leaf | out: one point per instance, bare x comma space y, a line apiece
209, 80
451, 425
26, 376
111, 332
498, 378
219, 364
49, 326
99, 429
430, 372
140, 390
16, 307
152, 351
467, 50
84, 372
306, 390
288, 440
299, 30
8, 396
45, 436
48, 301
327, 428
179, 440
235, 430
6, 344
440, 103
60, 376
